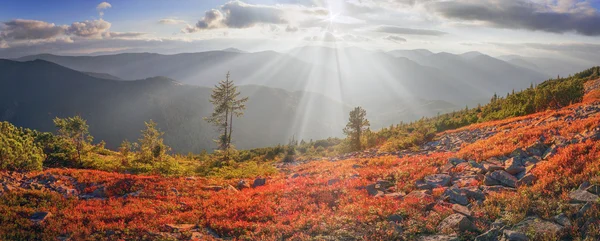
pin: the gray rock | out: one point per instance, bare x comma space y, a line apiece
456, 223
213, 188
538, 227
514, 166
455, 195
438, 238
490, 235
595, 189
582, 196
526, 180
550, 152
242, 184
333, 181
563, 220
500, 177
474, 193
259, 182
536, 149
457, 208
510, 235
455, 161
373, 190
397, 218
519, 153
438, 180
39, 217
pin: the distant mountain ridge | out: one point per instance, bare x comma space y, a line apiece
351, 75
33, 93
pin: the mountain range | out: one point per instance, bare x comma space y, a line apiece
304, 93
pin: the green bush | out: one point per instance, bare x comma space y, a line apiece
18, 149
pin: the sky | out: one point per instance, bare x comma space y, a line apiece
534, 28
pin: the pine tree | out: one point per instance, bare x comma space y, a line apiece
74, 129
152, 147
227, 103
357, 124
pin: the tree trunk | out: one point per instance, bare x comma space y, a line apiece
230, 129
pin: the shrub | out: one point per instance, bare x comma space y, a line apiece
18, 149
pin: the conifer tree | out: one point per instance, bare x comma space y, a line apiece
227, 103
357, 124
75, 130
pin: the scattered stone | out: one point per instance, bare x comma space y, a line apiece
550, 152
595, 189
514, 166
455, 161
295, 175
242, 184
259, 182
212, 188
519, 153
356, 166
582, 196
333, 181
584, 185
39, 217
563, 220
536, 149
509, 235
397, 218
373, 190
456, 223
455, 195
538, 226
438, 238
490, 235
526, 180
474, 193
500, 178
438, 180
396, 195
457, 208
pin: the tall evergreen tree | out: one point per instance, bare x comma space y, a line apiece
227, 103
357, 124
75, 130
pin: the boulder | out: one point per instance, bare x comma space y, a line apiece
526, 180
510, 235
500, 178
594, 189
582, 196
455, 161
39, 217
373, 190
438, 180
455, 195
490, 235
212, 188
397, 218
536, 149
514, 166
538, 227
242, 184
259, 182
550, 152
438, 238
563, 220
464, 210
333, 181
456, 223
474, 193
519, 153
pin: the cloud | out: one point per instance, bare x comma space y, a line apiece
171, 21
394, 38
24, 29
291, 29
124, 35
100, 8
89, 28
408, 31
237, 14
558, 16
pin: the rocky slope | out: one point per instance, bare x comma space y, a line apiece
528, 178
